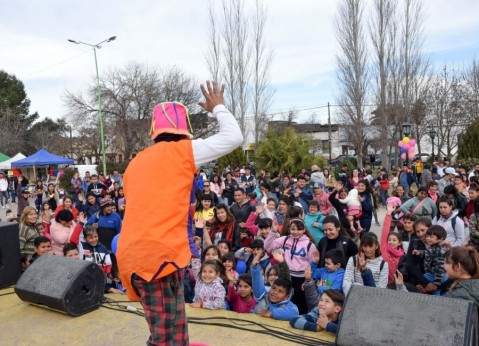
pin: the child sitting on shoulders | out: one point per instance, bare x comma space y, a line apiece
323, 317
275, 303
318, 280
354, 209
241, 300
434, 256
209, 290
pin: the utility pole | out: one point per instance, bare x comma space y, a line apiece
329, 132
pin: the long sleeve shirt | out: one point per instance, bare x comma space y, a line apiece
239, 304
434, 262
373, 276
308, 322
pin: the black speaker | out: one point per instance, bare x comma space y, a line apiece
10, 267
374, 316
68, 285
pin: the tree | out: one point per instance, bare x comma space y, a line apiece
236, 158
469, 144
352, 74
129, 95
15, 118
284, 151
238, 54
381, 30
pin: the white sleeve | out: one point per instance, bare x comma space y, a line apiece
225, 141
348, 276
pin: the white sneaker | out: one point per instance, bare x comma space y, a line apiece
4, 207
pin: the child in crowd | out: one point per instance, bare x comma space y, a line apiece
434, 256
329, 277
323, 317
259, 228
245, 237
229, 262
252, 199
275, 303
462, 266
224, 247
71, 251
247, 254
391, 245
43, 246
205, 208
314, 221
40, 227
241, 300
299, 250
209, 290
46, 215
367, 268
354, 209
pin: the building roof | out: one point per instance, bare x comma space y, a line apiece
302, 128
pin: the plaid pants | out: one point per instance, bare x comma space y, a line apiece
164, 305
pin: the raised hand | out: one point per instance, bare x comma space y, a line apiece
390, 209
82, 217
278, 256
307, 273
256, 259
231, 277
362, 260
213, 95
259, 208
315, 256
398, 278
200, 222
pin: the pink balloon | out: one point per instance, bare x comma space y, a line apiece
412, 142
411, 156
401, 144
406, 147
403, 156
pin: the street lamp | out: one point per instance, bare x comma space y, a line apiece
102, 138
406, 130
432, 134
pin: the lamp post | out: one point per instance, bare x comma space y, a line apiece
406, 130
432, 134
102, 138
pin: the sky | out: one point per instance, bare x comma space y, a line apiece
34, 46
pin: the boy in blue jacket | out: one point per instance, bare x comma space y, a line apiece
323, 317
275, 303
318, 280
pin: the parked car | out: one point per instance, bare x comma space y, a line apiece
336, 161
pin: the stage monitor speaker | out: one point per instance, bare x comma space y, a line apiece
374, 316
10, 267
68, 285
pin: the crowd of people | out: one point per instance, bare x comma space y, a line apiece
282, 246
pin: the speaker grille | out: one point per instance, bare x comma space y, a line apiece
374, 316
64, 284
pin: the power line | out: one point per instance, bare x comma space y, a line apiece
57, 64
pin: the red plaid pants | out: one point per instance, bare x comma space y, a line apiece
164, 305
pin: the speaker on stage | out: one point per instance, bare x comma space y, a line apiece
375, 316
68, 285
10, 267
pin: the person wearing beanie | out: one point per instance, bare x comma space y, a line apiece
107, 222
154, 247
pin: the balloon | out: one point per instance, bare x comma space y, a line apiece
403, 151
403, 156
405, 140
412, 142
411, 156
411, 150
406, 146
400, 143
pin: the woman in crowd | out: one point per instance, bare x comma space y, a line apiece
367, 204
28, 232
450, 220
421, 205
67, 205
51, 196
224, 227
354, 179
61, 229
217, 186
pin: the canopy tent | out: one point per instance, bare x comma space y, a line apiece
7, 164
3, 157
42, 158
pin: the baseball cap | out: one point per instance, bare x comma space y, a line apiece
242, 171
105, 202
450, 170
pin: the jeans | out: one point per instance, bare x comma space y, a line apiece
3, 194
384, 197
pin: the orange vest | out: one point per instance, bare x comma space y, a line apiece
154, 238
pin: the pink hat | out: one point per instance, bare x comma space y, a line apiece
170, 117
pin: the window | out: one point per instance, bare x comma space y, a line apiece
325, 146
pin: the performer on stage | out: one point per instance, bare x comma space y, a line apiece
156, 240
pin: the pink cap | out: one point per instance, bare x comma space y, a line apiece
170, 117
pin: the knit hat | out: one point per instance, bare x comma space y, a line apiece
105, 202
170, 117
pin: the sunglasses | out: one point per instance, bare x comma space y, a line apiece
207, 185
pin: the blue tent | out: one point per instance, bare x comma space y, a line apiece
42, 158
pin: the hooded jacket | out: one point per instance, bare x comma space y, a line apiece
316, 231
455, 235
297, 252
284, 310
467, 290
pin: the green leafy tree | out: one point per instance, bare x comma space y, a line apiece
469, 143
15, 118
236, 158
284, 151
